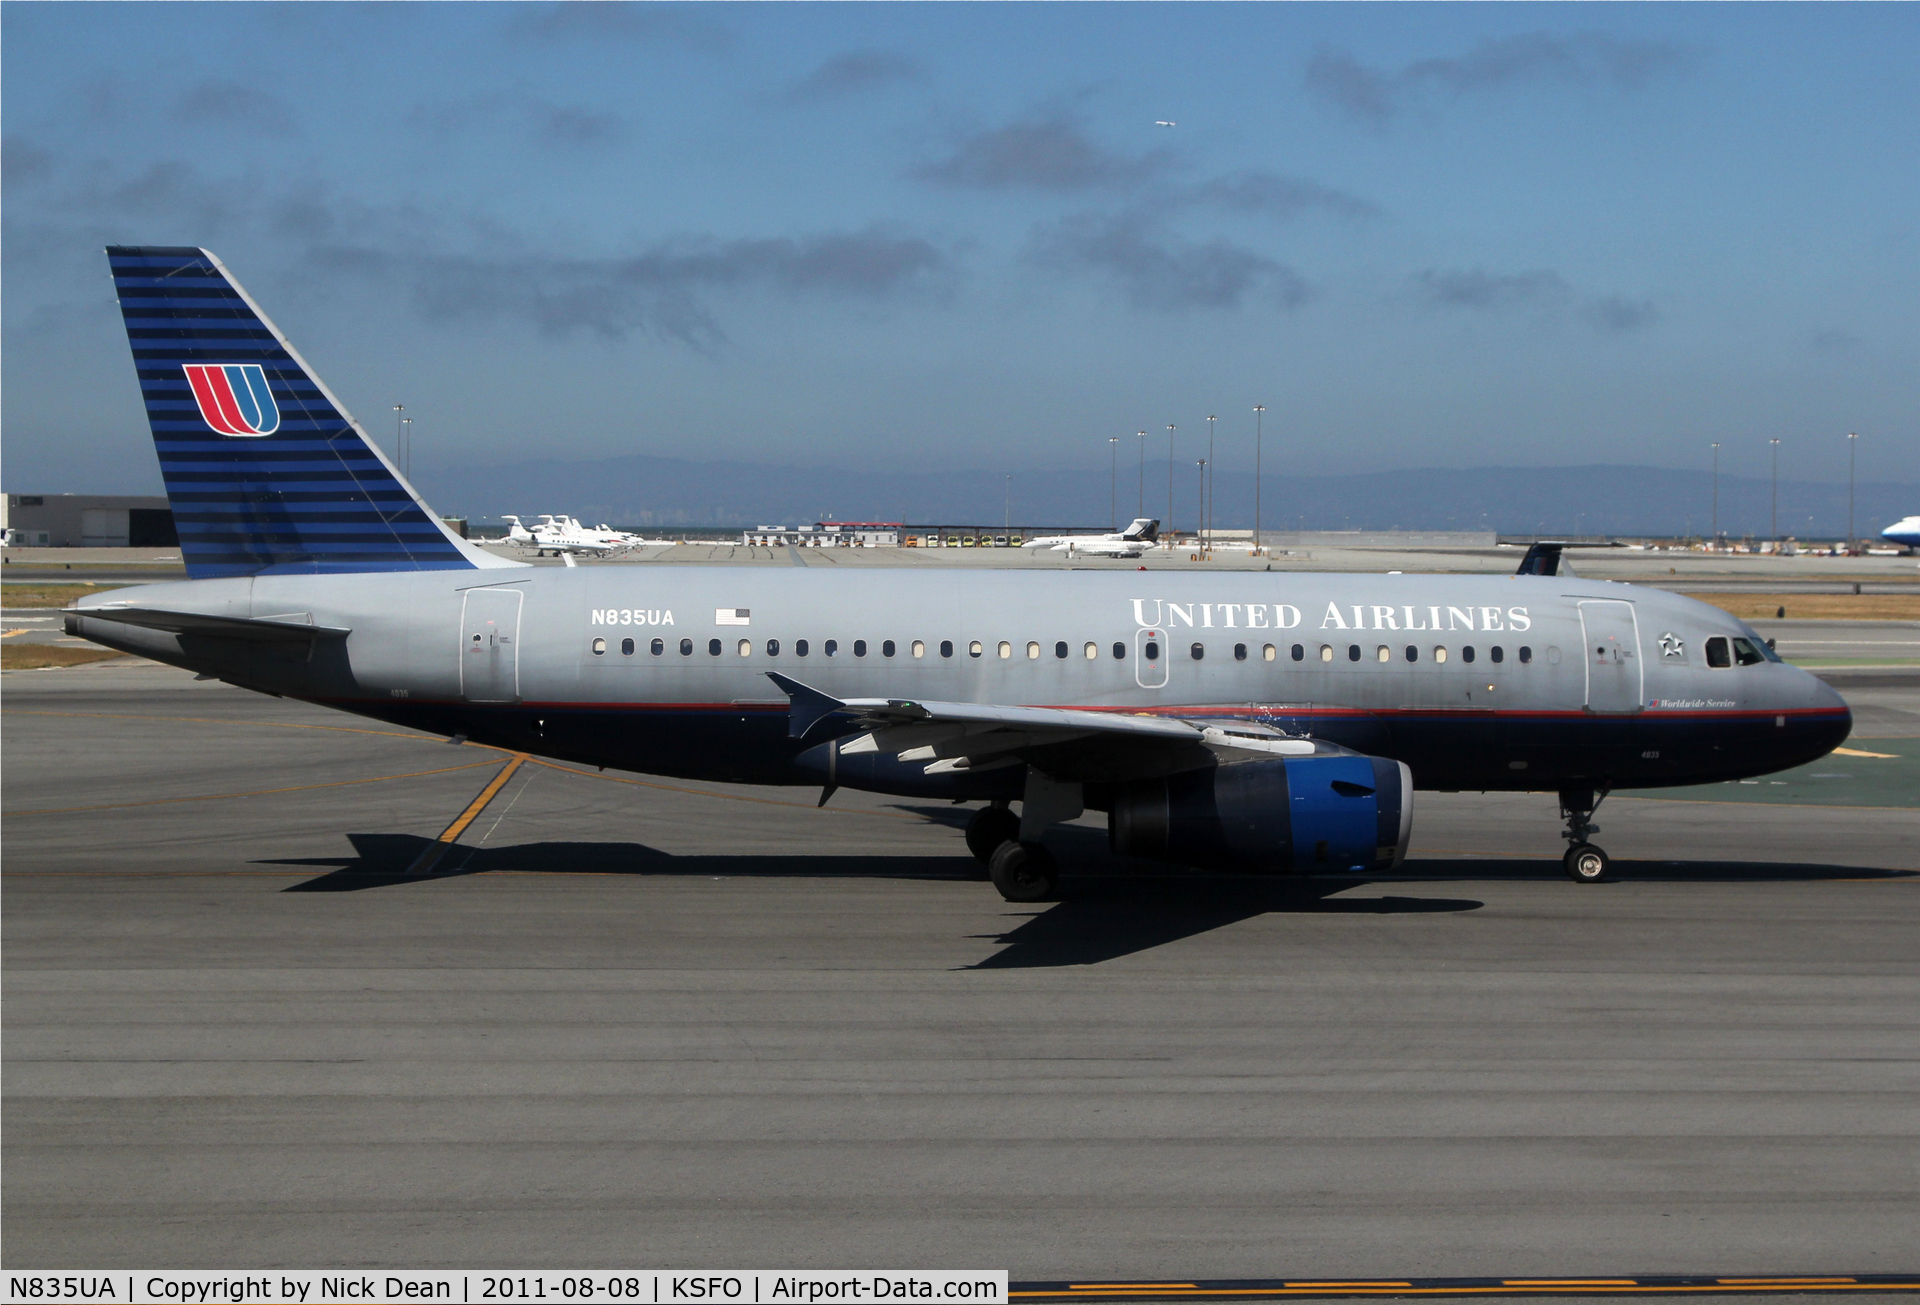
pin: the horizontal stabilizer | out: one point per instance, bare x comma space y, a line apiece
291, 628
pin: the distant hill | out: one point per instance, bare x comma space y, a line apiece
640, 490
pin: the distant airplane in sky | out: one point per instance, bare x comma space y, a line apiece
1162, 122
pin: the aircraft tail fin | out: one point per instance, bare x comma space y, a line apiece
1144, 529
266, 472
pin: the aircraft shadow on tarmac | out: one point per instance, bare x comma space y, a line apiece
1108, 908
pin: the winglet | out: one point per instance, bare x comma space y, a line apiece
806, 707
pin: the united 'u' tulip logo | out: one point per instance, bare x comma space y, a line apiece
234, 398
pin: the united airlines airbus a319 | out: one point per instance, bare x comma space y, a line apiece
1246, 721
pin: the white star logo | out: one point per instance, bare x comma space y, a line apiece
1672, 645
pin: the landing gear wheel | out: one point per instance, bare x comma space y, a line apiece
1024, 872
990, 827
1586, 864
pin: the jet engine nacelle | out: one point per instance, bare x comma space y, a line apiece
1339, 812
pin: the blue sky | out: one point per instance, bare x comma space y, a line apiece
925, 236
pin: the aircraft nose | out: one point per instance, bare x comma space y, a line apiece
1824, 697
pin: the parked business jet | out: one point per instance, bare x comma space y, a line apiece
1274, 722
1131, 542
1904, 531
562, 535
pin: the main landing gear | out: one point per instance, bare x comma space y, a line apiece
1586, 864
1023, 872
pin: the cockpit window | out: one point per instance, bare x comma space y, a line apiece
1745, 653
1719, 653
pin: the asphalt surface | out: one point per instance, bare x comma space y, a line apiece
661, 1024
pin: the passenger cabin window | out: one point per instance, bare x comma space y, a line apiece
1326, 652
973, 648
830, 647
1239, 652
1299, 652
1466, 653
713, 647
1383, 653
1353, 652
773, 648
1526, 654
746, 647
1119, 652
1413, 653
1439, 654
1498, 653
1270, 652
1198, 651
1152, 650
686, 647
1093, 651
657, 647
599, 647
1060, 650
799, 647
626, 647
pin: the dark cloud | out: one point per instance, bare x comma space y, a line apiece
851, 73
1272, 195
601, 20
1536, 291
562, 124
1050, 153
1161, 271
1612, 313
22, 164
1375, 95
660, 291
169, 191
230, 104
542, 121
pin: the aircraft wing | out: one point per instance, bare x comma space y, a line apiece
1071, 744
288, 628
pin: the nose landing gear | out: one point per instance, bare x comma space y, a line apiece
1585, 863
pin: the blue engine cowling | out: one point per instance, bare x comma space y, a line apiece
1338, 812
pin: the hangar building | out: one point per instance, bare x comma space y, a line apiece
88, 520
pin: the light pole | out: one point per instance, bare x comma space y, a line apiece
1200, 529
398, 428
1006, 505
406, 448
1169, 479
1852, 440
1773, 521
1113, 482
1141, 511
1209, 522
1716, 494
1259, 412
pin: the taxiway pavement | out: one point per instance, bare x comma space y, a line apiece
657, 1023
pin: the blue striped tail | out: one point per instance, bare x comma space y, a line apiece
266, 472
